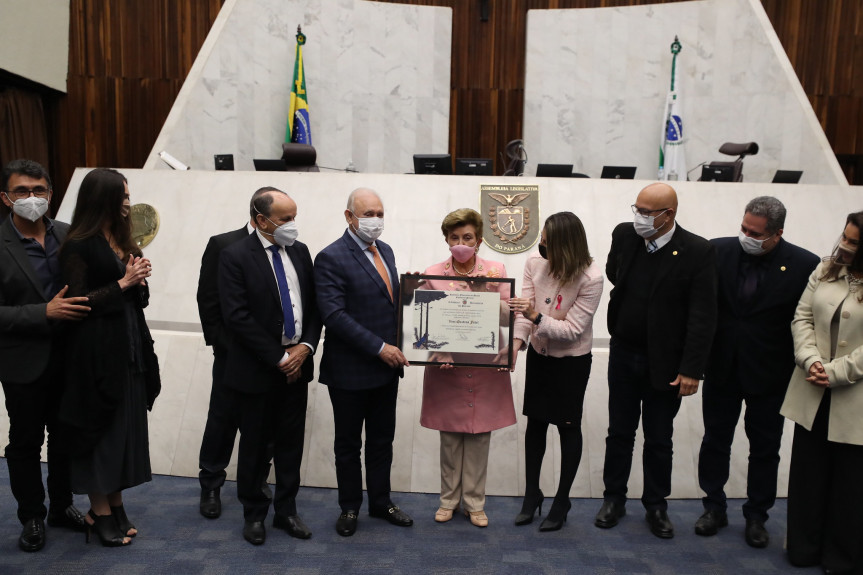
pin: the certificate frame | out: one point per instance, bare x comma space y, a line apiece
414, 343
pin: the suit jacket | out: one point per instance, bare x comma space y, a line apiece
681, 314
209, 307
358, 314
252, 312
25, 332
752, 346
812, 342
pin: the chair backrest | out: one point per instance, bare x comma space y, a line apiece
299, 157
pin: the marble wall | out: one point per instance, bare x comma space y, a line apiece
597, 79
197, 204
377, 77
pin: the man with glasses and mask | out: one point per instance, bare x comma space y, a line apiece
761, 279
33, 308
358, 296
661, 317
267, 294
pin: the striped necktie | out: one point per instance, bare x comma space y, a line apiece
651, 247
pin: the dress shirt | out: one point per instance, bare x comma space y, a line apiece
45, 262
296, 295
661, 240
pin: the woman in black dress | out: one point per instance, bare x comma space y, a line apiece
112, 370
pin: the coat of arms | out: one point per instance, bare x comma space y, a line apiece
507, 211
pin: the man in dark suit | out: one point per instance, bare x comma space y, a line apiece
222, 424
661, 316
267, 293
358, 295
762, 277
32, 311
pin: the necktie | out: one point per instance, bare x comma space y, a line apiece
284, 292
651, 247
381, 269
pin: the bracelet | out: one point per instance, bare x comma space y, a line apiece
537, 319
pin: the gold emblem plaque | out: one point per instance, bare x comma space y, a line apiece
510, 216
145, 224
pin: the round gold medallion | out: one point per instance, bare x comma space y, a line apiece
145, 224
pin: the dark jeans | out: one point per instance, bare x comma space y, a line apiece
376, 409
220, 431
32, 408
763, 424
631, 396
825, 499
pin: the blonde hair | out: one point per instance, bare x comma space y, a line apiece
459, 218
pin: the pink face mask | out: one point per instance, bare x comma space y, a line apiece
462, 253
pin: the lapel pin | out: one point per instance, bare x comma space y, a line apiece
674, 253
782, 268
548, 300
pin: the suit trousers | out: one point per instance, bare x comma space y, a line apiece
32, 409
220, 431
763, 423
463, 468
375, 409
630, 396
825, 499
277, 416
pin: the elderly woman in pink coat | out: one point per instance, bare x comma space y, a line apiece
559, 296
465, 404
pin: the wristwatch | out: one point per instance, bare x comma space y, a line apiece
537, 319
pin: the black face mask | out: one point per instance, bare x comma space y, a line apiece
543, 252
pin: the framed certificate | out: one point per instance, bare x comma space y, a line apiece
464, 321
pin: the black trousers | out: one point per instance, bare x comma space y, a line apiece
376, 410
631, 396
763, 424
223, 421
32, 408
825, 499
277, 416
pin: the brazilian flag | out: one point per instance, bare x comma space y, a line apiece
299, 129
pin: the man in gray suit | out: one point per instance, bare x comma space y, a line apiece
32, 311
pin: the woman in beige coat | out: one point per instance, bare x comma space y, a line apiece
825, 488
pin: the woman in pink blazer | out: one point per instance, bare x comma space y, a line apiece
465, 404
559, 296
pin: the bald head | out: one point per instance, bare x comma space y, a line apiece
659, 201
363, 195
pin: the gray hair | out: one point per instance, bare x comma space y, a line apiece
262, 201
770, 208
353, 195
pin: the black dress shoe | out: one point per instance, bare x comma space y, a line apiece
710, 522
33, 535
393, 514
70, 518
346, 524
211, 503
293, 525
254, 532
756, 534
608, 514
660, 524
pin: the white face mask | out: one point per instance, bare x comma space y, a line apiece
286, 234
31, 208
644, 225
752, 246
369, 229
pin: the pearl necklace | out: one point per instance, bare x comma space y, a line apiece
467, 273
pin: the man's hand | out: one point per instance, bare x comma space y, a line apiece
393, 356
292, 365
688, 385
817, 375
67, 308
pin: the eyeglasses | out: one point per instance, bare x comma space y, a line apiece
645, 212
22, 192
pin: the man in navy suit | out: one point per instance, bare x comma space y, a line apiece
267, 294
761, 279
358, 297
661, 317
33, 308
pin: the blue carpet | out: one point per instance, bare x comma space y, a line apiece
174, 538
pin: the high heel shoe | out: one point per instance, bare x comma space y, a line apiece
531, 504
556, 516
123, 522
107, 530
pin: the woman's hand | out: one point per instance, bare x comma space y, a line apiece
817, 375
446, 358
138, 269
524, 306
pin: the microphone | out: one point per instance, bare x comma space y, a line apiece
693, 169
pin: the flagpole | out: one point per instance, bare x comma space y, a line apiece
676, 47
